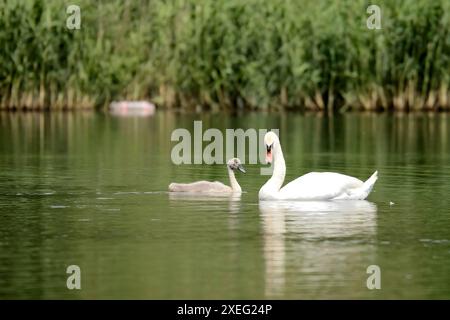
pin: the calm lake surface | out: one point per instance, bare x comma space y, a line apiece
89, 189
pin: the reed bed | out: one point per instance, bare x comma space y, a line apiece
233, 54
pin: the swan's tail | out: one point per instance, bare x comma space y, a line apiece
369, 183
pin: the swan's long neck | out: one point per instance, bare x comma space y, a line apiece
233, 182
279, 170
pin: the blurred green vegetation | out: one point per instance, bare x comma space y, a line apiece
305, 55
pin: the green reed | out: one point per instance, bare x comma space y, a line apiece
273, 54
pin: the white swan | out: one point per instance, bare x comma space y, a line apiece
311, 186
213, 187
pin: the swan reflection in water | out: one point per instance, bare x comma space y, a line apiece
313, 242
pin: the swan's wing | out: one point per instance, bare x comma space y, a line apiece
319, 186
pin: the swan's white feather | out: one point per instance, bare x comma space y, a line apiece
320, 186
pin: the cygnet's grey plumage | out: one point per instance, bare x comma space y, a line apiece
215, 186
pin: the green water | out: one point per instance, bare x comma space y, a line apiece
89, 189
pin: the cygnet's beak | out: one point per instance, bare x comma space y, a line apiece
241, 168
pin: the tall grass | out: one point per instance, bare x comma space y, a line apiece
273, 54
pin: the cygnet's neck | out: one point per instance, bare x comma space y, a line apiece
233, 182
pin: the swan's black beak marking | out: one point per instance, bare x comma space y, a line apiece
269, 148
241, 168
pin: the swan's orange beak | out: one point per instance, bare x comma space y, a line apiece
268, 154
